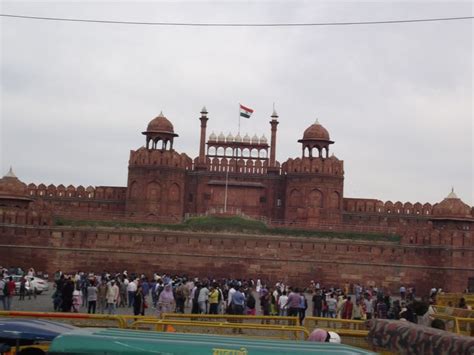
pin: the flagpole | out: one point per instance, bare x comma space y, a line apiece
239, 120
226, 185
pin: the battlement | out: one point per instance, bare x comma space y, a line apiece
80, 192
168, 158
360, 205
330, 165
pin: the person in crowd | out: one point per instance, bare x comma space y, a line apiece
76, 300
381, 309
213, 300
303, 306
347, 309
265, 300
139, 302
357, 310
294, 301
203, 299
180, 297
166, 302
283, 304
250, 302
332, 306
3, 291
67, 291
238, 301
131, 289
317, 304
92, 297
102, 296
112, 297
23, 284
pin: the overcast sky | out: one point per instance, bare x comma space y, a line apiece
396, 98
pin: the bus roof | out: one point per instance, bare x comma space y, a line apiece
121, 341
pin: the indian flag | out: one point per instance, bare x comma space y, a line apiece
245, 111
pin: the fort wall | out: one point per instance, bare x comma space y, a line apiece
296, 260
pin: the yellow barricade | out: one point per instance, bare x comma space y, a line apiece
335, 324
236, 318
285, 331
93, 320
458, 325
455, 312
452, 299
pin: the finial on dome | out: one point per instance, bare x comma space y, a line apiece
204, 111
161, 114
10, 173
452, 194
317, 121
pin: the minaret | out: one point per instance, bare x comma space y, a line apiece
202, 143
274, 123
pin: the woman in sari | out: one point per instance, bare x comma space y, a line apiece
166, 302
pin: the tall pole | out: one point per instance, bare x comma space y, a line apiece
239, 120
226, 186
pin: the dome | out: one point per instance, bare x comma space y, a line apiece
246, 138
452, 206
160, 124
230, 138
212, 137
316, 132
263, 139
221, 137
238, 138
11, 186
254, 139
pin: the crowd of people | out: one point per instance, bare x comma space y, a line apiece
106, 292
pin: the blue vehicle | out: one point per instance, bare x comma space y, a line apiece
29, 336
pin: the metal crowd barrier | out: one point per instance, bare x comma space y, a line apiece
453, 311
71, 317
335, 324
458, 325
452, 299
286, 331
234, 318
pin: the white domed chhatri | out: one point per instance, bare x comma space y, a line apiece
263, 139
221, 137
255, 139
238, 138
212, 137
230, 138
246, 138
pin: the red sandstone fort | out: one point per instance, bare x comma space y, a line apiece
238, 175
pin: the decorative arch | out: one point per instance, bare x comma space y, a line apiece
315, 198
153, 191
295, 198
174, 193
335, 199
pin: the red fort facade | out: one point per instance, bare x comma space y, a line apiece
239, 175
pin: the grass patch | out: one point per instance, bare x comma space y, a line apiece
233, 225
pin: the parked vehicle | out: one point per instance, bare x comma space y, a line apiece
30, 335
125, 341
33, 284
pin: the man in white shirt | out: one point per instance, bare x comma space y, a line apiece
112, 297
131, 289
203, 298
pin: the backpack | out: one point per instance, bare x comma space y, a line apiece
5, 289
251, 302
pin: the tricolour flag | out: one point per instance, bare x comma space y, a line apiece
245, 111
